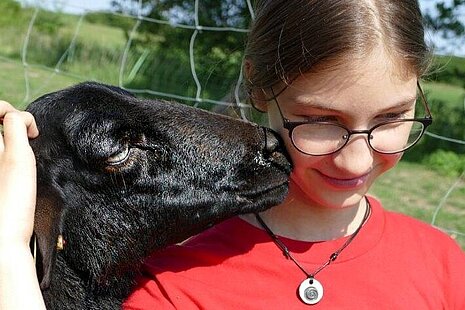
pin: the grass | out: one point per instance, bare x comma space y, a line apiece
450, 69
41, 81
415, 190
96, 54
452, 94
94, 34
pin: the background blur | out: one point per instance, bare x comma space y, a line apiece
191, 51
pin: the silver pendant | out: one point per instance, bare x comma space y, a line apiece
310, 291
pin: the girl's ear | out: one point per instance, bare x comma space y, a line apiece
256, 96
258, 100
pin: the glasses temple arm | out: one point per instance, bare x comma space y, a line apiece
285, 120
425, 102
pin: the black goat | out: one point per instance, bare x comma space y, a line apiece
119, 177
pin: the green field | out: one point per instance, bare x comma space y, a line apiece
16, 90
415, 190
437, 91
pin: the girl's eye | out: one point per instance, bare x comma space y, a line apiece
394, 115
318, 118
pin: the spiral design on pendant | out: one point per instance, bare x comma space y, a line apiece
310, 291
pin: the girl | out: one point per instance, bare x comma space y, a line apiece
338, 80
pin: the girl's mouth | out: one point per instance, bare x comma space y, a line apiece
345, 183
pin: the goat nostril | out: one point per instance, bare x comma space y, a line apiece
275, 151
271, 141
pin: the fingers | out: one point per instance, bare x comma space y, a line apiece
27, 118
2, 147
17, 177
5, 107
15, 132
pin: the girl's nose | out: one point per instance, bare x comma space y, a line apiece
356, 158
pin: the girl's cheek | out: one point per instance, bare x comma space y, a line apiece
303, 161
392, 160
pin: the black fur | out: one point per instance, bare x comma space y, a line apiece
185, 170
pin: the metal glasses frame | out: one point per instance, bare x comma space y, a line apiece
291, 125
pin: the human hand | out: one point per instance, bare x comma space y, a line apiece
17, 205
17, 177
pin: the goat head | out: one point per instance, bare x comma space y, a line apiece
119, 177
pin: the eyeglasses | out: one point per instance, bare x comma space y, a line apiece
324, 138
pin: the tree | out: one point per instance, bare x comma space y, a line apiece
448, 20
217, 54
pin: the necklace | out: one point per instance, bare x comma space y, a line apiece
311, 290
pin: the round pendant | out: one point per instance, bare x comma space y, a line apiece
310, 291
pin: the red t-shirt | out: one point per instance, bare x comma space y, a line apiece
395, 262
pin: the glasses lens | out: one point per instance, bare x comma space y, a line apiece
319, 138
396, 136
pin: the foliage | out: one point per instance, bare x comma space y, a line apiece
219, 13
10, 11
446, 162
445, 90
450, 70
446, 20
217, 55
448, 121
49, 23
12, 15
110, 19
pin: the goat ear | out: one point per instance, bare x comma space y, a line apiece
47, 227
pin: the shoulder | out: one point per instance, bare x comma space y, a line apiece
208, 248
425, 249
403, 223
415, 228
401, 230
207, 262
412, 224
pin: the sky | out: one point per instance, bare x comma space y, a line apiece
71, 6
80, 6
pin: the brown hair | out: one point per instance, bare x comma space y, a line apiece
291, 37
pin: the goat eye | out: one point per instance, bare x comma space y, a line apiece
120, 157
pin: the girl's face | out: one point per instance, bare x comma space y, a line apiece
358, 96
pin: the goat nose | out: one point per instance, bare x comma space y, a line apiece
275, 150
271, 141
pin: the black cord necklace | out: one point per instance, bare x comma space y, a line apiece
311, 290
